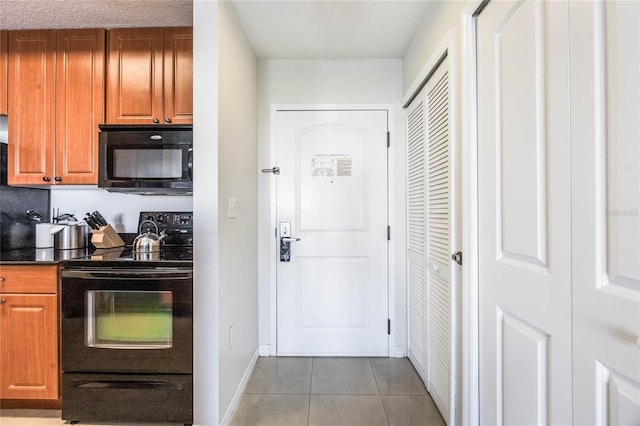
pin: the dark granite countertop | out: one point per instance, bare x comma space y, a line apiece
30, 256
91, 257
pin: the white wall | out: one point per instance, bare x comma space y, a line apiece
371, 81
205, 205
237, 165
441, 17
120, 210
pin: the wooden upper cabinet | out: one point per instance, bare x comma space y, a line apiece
178, 75
31, 106
4, 67
79, 104
150, 76
56, 101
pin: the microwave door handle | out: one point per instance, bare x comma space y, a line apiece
190, 164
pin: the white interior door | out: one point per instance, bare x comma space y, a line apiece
524, 213
605, 71
332, 294
431, 220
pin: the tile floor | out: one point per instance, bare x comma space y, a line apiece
336, 392
313, 392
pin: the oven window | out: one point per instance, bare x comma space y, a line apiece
129, 319
147, 163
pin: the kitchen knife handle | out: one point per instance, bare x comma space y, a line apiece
101, 220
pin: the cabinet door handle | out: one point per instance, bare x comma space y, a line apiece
1, 279
46, 179
167, 120
58, 179
2, 301
155, 120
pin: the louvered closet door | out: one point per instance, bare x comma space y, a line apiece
417, 232
429, 235
438, 237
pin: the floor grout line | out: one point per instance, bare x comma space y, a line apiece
310, 387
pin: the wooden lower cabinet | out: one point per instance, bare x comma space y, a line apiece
29, 333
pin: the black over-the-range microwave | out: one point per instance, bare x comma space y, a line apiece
148, 160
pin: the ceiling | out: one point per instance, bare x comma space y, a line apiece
294, 29
41, 14
338, 29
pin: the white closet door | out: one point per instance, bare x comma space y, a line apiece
439, 223
524, 205
430, 231
605, 165
416, 238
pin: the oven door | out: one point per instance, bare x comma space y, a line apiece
127, 320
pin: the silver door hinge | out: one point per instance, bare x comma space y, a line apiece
275, 232
388, 139
388, 326
388, 233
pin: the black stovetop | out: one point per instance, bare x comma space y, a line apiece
124, 257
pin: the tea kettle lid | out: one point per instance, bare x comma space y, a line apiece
148, 241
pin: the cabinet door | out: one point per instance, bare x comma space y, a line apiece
31, 106
178, 75
134, 76
79, 104
4, 63
29, 346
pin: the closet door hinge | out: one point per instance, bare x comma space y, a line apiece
388, 139
388, 233
388, 326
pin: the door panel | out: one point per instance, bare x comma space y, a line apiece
524, 214
417, 235
431, 223
332, 297
178, 75
605, 39
439, 221
135, 76
29, 346
31, 106
80, 85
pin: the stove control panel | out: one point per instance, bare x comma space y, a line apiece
177, 226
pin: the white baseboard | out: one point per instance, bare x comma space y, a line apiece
235, 401
398, 352
265, 350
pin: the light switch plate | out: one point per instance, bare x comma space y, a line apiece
232, 208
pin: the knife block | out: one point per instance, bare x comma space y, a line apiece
106, 237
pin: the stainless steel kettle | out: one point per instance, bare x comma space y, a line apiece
148, 242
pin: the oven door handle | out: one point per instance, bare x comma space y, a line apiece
126, 274
126, 384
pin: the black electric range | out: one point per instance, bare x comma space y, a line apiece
127, 329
